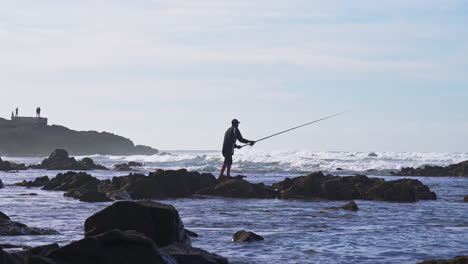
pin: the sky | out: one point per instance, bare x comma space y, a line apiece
173, 74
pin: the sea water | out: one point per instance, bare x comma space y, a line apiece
294, 231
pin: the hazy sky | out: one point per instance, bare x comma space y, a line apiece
172, 74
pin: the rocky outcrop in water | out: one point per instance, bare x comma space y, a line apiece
126, 166
317, 185
246, 236
30, 140
351, 206
455, 260
459, 170
238, 188
38, 182
11, 228
11, 166
60, 160
1, 184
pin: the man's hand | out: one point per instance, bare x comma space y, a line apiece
237, 146
251, 143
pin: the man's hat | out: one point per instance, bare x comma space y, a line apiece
235, 121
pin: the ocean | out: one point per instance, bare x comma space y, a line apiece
294, 231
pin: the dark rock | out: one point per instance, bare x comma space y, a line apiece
38, 182
245, 236
11, 166
85, 195
160, 184
30, 140
185, 254
465, 198
11, 228
72, 180
372, 154
60, 160
3, 216
238, 188
30, 194
459, 169
339, 169
135, 164
36, 251
319, 186
191, 233
110, 248
122, 167
455, 260
351, 206
160, 222
1, 184
7, 258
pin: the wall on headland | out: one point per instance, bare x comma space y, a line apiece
29, 121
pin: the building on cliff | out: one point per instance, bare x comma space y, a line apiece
28, 121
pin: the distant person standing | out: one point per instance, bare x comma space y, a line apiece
16, 111
12, 115
230, 137
38, 112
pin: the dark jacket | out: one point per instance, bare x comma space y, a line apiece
230, 137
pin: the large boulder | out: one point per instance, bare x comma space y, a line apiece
38, 182
86, 195
11, 228
319, 186
455, 260
107, 248
459, 169
239, 188
60, 160
185, 254
160, 222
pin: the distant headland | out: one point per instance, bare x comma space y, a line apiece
33, 137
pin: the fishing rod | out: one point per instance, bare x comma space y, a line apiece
287, 130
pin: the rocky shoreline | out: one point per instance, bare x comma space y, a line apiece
457, 170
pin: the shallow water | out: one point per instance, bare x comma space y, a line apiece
294, 231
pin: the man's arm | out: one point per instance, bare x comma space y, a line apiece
243, 140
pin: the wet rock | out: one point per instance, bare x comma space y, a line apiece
184, 254
351, 206
72, 180
160, 184
38, 182
135, 164
317, 185
372, 154
246, 236
11, 228
35, 251
238, 188
191, 233
465, 198
160, 222
455, 260
60, 160
11, 166
28, 194
108, 248
1, 184
459, 169
122, 167
7, 258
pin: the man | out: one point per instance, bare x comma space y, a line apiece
230, 137
16, 110
38, 112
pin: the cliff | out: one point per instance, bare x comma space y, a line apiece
37, 140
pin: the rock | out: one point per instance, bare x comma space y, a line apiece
160, 222
11, 228
72, 180
10, 166
7, 258
122, 167
238, 188
60, 160
160, 184
37, 141
319, 186
30, 194
459, 169
184, 254
110, 247
38, 182
455, 260
465, 198
191, 233
87, 196
245, 236
36, 251
135, 164
339, 169
1, 184
351, 206
372, 154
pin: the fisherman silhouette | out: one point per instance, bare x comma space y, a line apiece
38, 112
12, 115
16, 111
230, 137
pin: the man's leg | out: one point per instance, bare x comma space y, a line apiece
222, 169
229, 170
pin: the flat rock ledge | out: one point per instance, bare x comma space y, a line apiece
11, 228
457, 170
